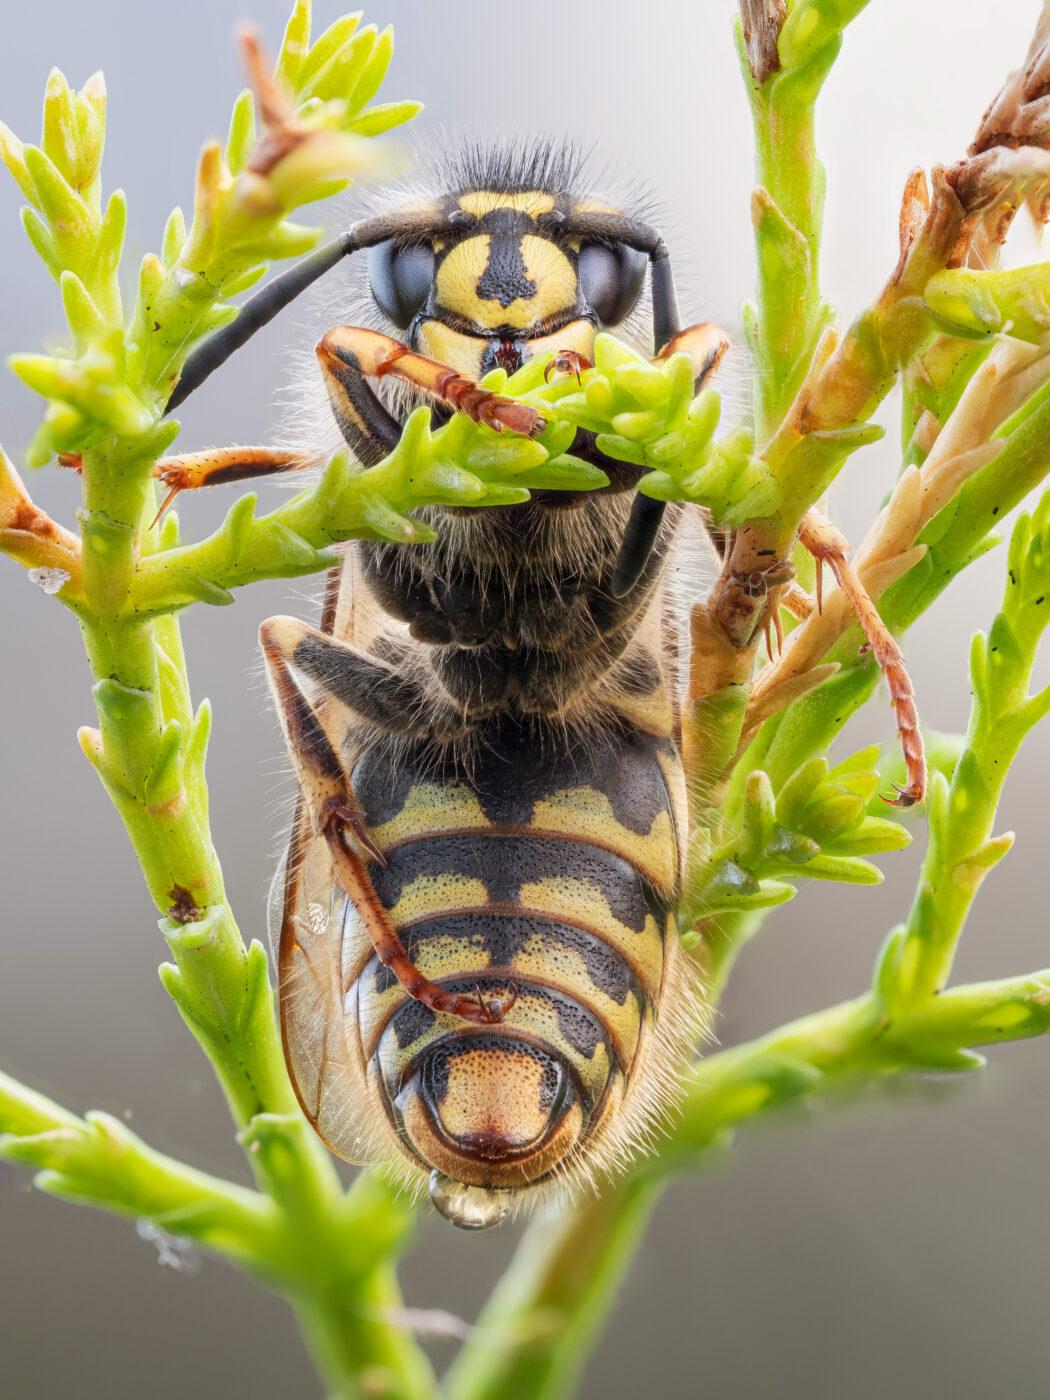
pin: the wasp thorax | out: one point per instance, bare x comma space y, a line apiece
493, 1111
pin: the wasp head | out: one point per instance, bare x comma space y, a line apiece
507, 274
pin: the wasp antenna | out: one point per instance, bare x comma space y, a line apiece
254, 314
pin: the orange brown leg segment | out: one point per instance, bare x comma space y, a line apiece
705, 344
566, 362
327, 792
218, 465
376, 355
829, 547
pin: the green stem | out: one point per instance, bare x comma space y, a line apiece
360, 1356
787, 211
850, 1041
534, 1335
97, 1161
150, 754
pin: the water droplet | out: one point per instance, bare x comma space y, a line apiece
469, 1207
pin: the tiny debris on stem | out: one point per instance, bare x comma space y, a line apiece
50, 580
173, 1251
183, 908
435, 1323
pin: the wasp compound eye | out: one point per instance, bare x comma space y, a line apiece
401, 279
491, 1111
611, 279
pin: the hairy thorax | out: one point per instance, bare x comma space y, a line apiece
512, 608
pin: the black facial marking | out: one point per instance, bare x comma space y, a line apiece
505, 278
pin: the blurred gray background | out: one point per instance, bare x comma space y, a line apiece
893, 1246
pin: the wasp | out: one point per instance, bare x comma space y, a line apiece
480, 979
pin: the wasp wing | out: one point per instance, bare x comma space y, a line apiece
318, 965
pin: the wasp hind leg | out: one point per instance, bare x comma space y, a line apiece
828, 546
393, 699
335, 817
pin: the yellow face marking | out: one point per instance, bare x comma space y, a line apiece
482, 202
456, 280
453, 348
456, 283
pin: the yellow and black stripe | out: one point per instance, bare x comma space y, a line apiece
537, 867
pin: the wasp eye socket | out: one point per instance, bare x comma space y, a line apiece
401, 279
611, 278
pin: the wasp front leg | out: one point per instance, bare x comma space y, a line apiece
363, 352
828, 546
217, 466
566, 362
287, 647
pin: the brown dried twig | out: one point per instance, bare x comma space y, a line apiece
964, 445
29, 535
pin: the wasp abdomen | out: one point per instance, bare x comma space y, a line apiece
552, 876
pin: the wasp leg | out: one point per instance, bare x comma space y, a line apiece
829, 547
376, 355
370, 430
566, 362
327, 792
797, 601
396, 701
218, 465
705, 344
